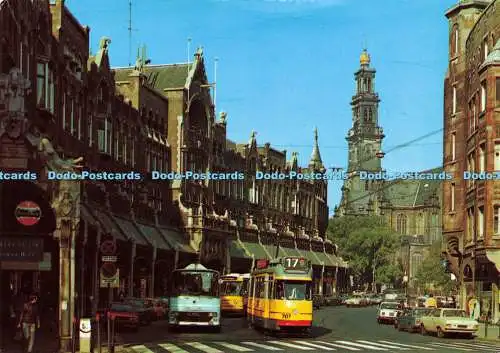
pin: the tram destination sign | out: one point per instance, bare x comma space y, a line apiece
296, 264
21, 249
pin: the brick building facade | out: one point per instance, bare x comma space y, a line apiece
471, 144
80, 114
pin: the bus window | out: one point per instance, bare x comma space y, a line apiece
292, 290
244, 288
232, 288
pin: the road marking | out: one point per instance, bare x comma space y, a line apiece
235, 347
362, 345
383, 345
203, 347
478, 345
290, 345
172, 348
338, 346
141, 349
260, 345
316, 345
450, 346
408, 345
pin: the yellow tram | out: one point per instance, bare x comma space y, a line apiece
234, 289
280, 296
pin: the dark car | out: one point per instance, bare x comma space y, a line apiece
410, 319
144, 308
124, 316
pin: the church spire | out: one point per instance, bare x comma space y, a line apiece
316, 161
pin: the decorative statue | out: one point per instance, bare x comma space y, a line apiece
223, 117
56, 163
104, 43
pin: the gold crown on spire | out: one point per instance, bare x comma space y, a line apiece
364, 58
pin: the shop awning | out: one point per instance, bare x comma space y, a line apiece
237, 250
271, 249
293, 252
333, 260
107, 224
153, 236
86, 215
325, 259
176, 240
258, 251
131, 231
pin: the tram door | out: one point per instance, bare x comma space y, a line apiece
251, 299
268, 281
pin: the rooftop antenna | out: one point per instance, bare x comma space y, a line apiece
216, 60
129, 32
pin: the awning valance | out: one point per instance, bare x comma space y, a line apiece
108, 225
153, 236
237, 250
257, 250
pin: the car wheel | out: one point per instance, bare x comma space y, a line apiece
440, 333
423, 331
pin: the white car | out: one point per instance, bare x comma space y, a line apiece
448, 321
356, 300
387, 312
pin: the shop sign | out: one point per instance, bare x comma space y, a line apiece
28, 213
22, 249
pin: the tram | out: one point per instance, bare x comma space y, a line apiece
234, 293
280, 295
194, 298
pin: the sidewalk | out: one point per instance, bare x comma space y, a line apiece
490, 332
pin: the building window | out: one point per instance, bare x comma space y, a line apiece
452, 197
497, 156
104, 137
454, 41
496, 219
72, 125
470, 224
483, 96
401, 224
498, 92
45, 86
482, 158
485, 49
79, 118
64, 122
90, 130
480, 222
453, 146
454, 101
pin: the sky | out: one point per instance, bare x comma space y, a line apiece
287, 66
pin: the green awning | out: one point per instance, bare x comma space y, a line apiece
177, 240
258, 251
293, 252
130, 230
154, 237
271, 249
87, 216
333, 260
108, 225
237, 250
310, 256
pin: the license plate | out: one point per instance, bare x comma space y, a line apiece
391, 314
462, 326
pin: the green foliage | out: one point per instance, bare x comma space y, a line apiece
367, 243
432, 274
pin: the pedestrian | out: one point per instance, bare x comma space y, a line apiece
30, 321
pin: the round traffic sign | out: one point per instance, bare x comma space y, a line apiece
108, 270
108, 247
28, 213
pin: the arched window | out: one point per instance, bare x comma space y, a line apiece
419, 229
415, 264
370, 114
365, 114
401, 224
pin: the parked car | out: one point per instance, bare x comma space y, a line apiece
333, 300
410, 319
387, 312
356, 300
443, 322
144, 308
375, 299
124, 316
318, 301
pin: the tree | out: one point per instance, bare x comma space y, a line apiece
369, 246
432, 273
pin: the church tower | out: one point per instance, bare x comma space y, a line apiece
365, 142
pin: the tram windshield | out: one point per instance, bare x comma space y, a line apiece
233, 288
195, 283
293, 290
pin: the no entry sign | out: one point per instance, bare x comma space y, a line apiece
28, 213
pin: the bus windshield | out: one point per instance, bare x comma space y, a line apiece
292, 290
231, 288
196, 283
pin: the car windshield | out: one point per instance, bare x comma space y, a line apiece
421, 312
454, 313
195, 283
231, 288
292, 290
392, 306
